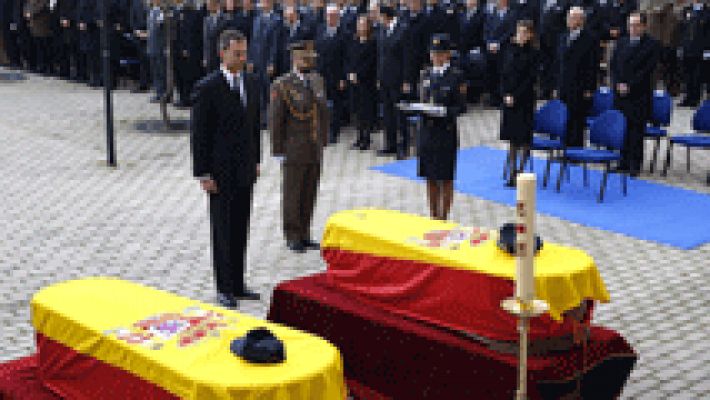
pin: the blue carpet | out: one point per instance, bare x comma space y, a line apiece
651, 211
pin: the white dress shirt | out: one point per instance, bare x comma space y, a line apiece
235, 80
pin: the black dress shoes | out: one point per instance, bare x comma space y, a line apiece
226, 301
309, 244
386, 153
247, 294
296, 247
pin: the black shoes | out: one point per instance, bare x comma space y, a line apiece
226, 301
301, 247
247, 294
309, 244
386, 152
296, 247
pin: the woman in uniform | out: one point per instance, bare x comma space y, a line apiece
362, 74
517, 86
442, 85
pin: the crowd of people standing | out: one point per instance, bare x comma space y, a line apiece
367, 48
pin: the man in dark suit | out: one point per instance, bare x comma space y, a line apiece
292, 31
416, 31
139, 27
263, 48
156, 49
187, 50
330, 47
695, 28
90, 61
550, 28
65, 42
314, 17
576, 78
498, 28
472, 50
632, 66
226, 150
210, 32
390, 74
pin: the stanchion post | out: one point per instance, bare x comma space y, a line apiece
106, 57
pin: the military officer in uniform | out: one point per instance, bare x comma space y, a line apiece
299, 130
441, 85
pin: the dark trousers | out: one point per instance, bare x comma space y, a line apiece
669, 70
390, 98
693, 79
230, 210
335, 102
493, 61
632, 154
43, 53
300, 187
65, 54
577, 122
403, 143
157, 69
547, 70
11, 48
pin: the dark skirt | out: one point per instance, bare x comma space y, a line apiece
437, 153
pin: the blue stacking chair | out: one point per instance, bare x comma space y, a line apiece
661, 110
550, 129
701, 124
607, 133
602, 100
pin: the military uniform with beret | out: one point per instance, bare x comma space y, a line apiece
298, 121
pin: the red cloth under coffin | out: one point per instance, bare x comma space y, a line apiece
59, 372
459, 299
404, 359
19, 381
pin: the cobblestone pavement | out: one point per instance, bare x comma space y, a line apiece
64, 215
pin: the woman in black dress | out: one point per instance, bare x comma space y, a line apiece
442, 85
520, 65
361, 67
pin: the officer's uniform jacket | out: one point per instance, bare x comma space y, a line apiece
299, 118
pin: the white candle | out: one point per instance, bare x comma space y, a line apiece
525, 238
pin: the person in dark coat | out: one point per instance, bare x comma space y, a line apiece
9, 29
237, 17
187, 50
65, 42
498, 28
263, 48
362, 75
156, 49
550, 27
442, 18
576, 77
292, 31
520, 62
330, 46
226, 154
632, 66
90, 61
472, 49
390, 74
210, 34
314, 18
442, 85
416, 30
39, 19
138, 23
695, 36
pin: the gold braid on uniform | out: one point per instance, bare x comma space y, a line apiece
302, 116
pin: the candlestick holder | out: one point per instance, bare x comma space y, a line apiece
524, 310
